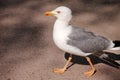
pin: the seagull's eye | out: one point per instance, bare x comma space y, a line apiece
58, 12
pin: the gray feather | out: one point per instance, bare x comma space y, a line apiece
87, 41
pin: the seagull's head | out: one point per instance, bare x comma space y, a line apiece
62, 13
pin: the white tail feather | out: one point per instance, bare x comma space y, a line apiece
115, 48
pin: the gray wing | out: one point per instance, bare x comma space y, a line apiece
87, 41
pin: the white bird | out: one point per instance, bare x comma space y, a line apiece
76, 40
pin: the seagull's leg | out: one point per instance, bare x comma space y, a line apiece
92, 71
62, 70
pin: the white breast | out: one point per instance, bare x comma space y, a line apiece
60, 37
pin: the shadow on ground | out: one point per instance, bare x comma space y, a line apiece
82, 60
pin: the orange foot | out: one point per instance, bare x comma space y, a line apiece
59, 71
89, 73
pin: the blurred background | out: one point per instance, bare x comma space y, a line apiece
27, 51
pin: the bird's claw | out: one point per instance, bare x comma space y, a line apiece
59, 71
89, 73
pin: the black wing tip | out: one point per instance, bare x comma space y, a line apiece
107, 60
111, 63
117, 43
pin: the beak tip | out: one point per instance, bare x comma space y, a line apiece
48, 14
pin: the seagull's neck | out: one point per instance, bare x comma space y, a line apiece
61, 30
61, 24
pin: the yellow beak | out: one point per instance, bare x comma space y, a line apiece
49, 13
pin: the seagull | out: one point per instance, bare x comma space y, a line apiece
78, 41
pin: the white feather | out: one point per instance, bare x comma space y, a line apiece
60, 37
116, 48
111, 47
